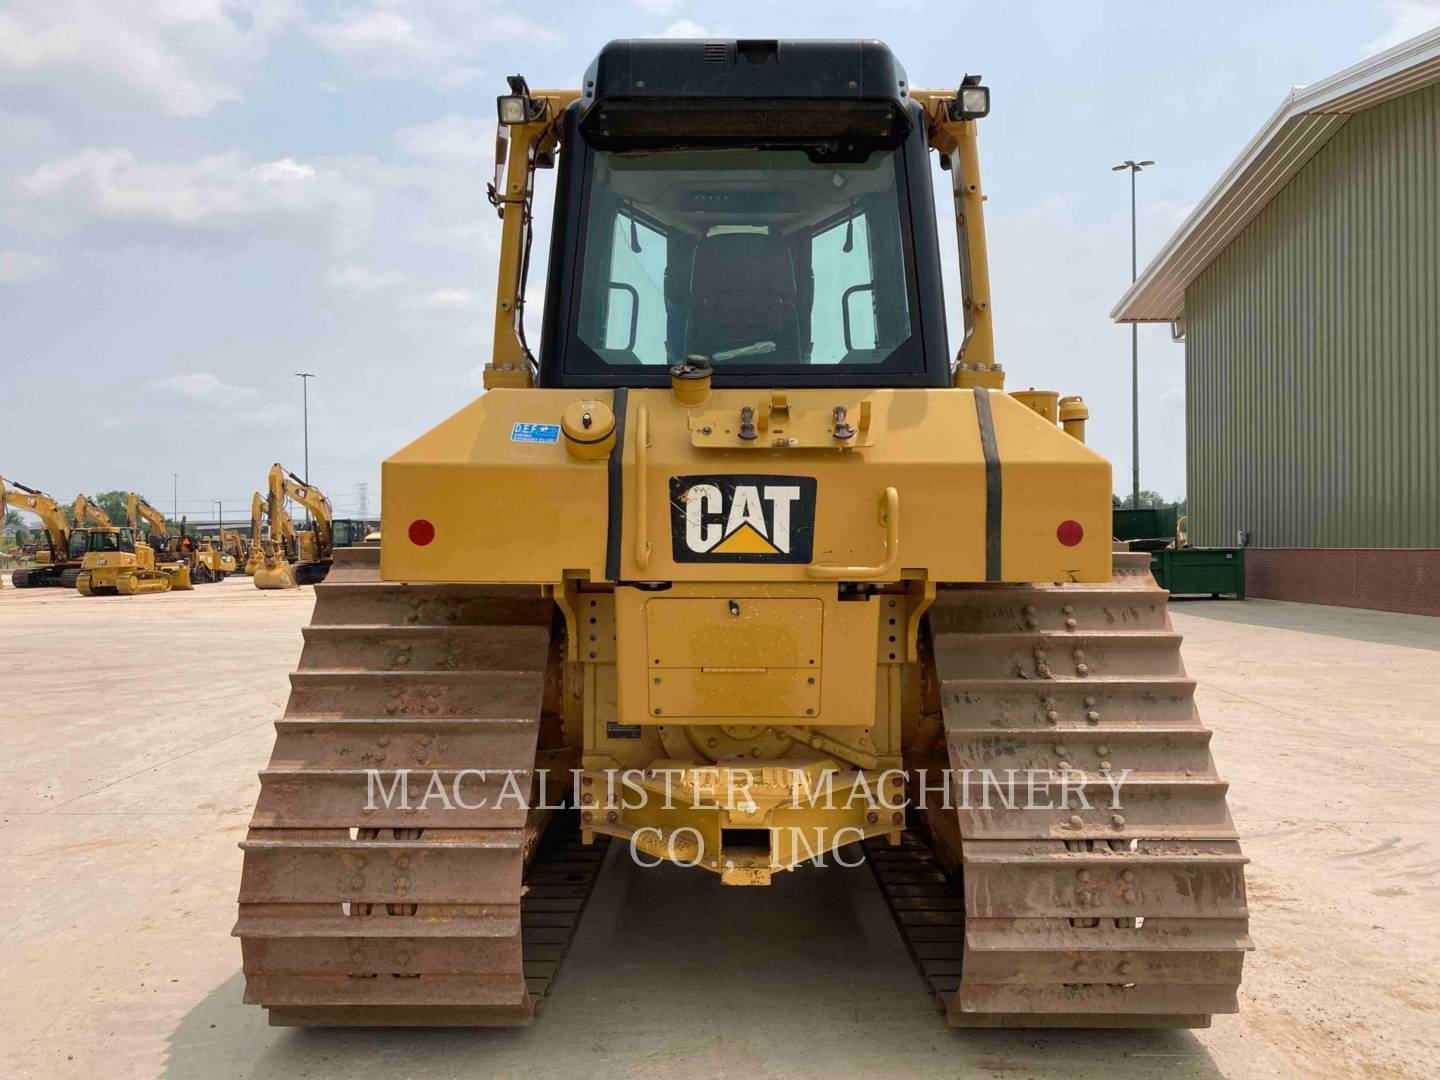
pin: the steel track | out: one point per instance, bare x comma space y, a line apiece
1081, 915
419, 917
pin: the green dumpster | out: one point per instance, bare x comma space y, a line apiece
1203, 571
1147, 528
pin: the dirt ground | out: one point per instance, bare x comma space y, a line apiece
135, 727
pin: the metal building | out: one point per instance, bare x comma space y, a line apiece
1306, 286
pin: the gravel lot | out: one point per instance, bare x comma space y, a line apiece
136, 725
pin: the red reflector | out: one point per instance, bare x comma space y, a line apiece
421, 532
1069, 533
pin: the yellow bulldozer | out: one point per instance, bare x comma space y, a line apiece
208, 560
779, 575
118, 562
232, 543
292, 557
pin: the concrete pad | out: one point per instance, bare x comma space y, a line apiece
132, 770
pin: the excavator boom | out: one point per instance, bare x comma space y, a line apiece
88, 512
138, 510
315, 501
255, 549
51, 516
65, 543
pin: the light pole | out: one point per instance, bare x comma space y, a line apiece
305, 377
1134, 167
175, 497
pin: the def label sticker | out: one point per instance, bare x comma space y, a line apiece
742, 519
542, 433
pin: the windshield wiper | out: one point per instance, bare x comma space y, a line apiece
759, 348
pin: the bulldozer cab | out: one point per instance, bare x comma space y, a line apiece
110, 540
114, 547
788, 244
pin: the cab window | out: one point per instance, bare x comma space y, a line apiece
761, 260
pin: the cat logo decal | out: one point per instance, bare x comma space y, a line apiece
744, 519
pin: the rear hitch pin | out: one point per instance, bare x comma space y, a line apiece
843, 430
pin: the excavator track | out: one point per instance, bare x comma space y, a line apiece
426, 916
40, 577
1087, 914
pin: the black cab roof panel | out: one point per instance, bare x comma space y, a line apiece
641, 92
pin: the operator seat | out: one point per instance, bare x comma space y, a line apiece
743, 292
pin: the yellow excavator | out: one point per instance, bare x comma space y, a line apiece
118, 562
294, 557
783, 576
255, 548
58, 563
87, 513
138, 512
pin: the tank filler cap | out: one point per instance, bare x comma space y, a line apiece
690, 380
589, 427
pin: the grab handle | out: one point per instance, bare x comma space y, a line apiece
642, 436
890, 518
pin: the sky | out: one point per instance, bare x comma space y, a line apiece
200, 198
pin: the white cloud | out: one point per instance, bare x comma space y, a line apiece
204, 387
448, 299
462, 141
439, 41
285, 171
685, 28
189, 57
214, 193
262, 416
1167, 215
361, 279
18, 267
1408, 19
18, 129
186, 57
384, 43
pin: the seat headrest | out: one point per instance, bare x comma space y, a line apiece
743, 263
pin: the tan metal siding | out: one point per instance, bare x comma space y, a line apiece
1313, 350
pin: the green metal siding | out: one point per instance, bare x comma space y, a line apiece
1313, 350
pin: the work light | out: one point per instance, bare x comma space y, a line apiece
973, 100
514, 108
517, 107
